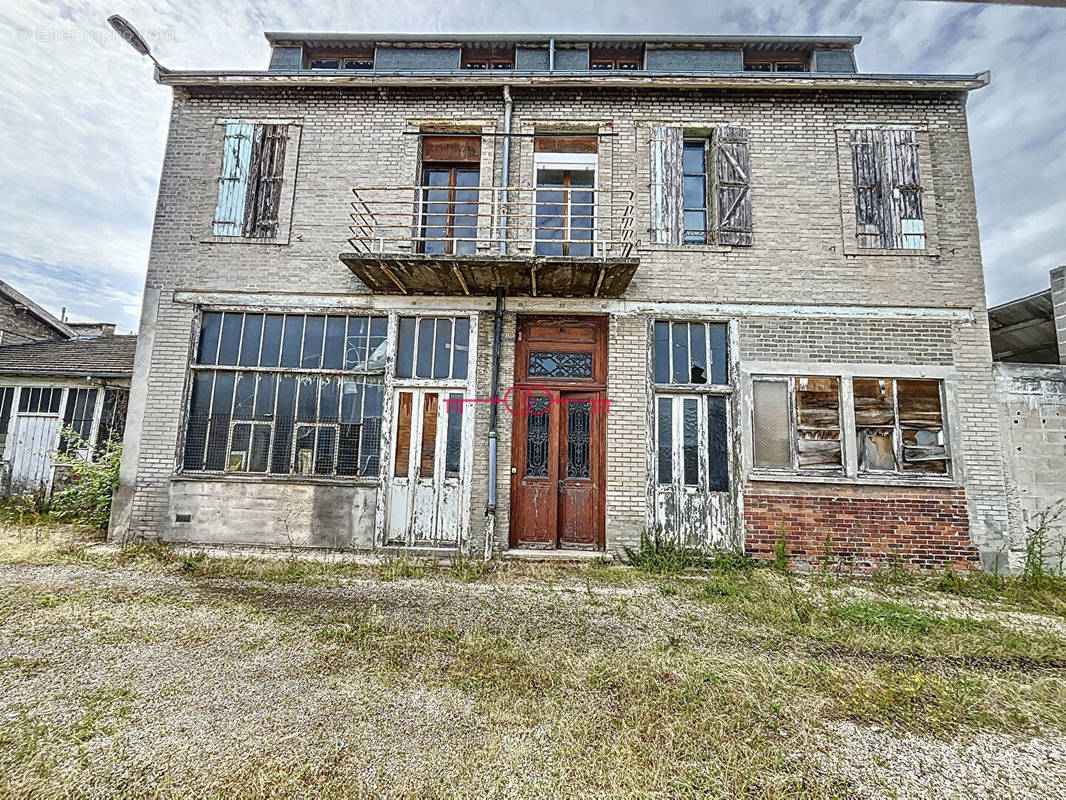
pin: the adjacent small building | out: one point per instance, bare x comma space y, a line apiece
63, 386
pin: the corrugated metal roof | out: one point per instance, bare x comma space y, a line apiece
109, 356
1023, 330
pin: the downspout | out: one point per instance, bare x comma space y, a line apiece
497, 329
551, 54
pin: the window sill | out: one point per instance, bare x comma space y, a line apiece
277, 241
687, 248
321, 480
930, 252
859, 480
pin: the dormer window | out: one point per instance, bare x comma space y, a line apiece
362, 58
488, 58
786, 62
616, 58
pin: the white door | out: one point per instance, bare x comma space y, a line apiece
36, 438
693, 496
424, 484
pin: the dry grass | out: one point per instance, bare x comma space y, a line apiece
137, 673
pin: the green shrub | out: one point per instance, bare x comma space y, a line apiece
660, 555
87, 500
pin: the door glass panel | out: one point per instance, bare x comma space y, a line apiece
429, 435
662, 352
403, 435
461, 351
690, 433
680, 347
537, 431
454, 410
424, 354
665, 431
442, 349
405, 350
578, 422
546, 364
717, 445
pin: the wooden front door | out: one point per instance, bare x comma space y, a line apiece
558, 456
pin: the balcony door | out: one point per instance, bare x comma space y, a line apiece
451, 175
559, 434
565, 213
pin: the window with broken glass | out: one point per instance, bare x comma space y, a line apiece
899, 426
287, 394
691, 371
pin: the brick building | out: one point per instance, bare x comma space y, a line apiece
519, 293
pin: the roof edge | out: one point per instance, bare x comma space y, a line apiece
648, 38
44, 316
739, 80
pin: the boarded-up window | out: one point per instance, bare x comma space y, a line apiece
888, 190
249, 184
700, 187
796, 423
899, 426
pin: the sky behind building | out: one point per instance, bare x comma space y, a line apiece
83, 126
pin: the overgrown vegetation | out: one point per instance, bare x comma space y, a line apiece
659, 554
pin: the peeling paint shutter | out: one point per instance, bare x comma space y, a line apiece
907, 219
732, 185
667, 144
233, 179
268, 167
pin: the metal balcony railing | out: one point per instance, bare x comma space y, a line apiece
544, 221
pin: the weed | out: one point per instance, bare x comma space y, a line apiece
667, 590
781, 563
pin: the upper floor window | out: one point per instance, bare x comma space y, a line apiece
616, 58
451, 174
488, 58
249, 184
565, 175
888, 190
700, 186
433, 347
362, 58
691, 353
785, 62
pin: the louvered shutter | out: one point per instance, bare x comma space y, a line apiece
866, 157
732, 186
233, 179
268, 167
667, 145
907, 219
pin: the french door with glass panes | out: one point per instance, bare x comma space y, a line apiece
565, 204
429, 465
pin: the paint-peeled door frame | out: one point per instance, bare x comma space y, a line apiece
734, 412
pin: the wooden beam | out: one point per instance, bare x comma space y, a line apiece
462, 280
394, 279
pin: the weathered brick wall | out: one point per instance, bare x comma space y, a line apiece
355, 136
864, 528
18, 327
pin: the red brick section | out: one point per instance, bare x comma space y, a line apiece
869, 527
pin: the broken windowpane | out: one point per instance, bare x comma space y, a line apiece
818, 423
875, 424
900, 426
431, 347
771, 424
682, 350
921, 423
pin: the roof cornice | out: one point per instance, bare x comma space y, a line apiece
565, 38
467, 79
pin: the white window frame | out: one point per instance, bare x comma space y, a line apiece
566, 161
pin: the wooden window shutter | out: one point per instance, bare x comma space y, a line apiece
732, 186
667, 145
905, 179
866, 157
264, 191
233, 179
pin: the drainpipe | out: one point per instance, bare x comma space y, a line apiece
506, 169
497, 327
551, 54
497, 341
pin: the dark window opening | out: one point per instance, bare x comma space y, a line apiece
488, 58
695, 192
624, 59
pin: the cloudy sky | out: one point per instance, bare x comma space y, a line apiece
82, 125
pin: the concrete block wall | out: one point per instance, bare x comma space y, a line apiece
354, 136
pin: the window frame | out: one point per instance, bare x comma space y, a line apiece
785, 371
846, 180
794, 425
709, 232
212, 171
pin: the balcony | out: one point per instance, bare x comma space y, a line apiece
548, 241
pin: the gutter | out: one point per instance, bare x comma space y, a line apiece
633, 80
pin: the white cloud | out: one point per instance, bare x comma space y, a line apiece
82, 125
